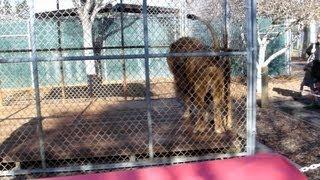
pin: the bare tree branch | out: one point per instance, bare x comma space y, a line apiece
269, 31
275, 55
281, 51
79, 7
100, 3
288, 28
76, 3
88, 5
118, 29
288, 9
259, 38
96, 9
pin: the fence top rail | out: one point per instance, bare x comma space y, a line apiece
126, 8
144, 163
88, 48
114, 57
77, 49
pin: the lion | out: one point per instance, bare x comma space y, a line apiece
202, 83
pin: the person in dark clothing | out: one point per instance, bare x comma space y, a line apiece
315, 69
317, 52
312, 71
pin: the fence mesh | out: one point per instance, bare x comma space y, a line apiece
104, 83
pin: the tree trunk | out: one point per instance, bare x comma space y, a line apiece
89, 64
288, 35
259, 79
264, 93
262, 57
88, 43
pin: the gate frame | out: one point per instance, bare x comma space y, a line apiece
251, 53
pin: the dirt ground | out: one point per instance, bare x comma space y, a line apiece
106, 128
287, 127
290, 126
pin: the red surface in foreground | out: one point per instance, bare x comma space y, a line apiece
258, 167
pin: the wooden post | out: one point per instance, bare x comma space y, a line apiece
264, 92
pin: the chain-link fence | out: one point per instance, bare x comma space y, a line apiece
89, 85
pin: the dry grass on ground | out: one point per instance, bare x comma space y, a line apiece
291, 137
290, 133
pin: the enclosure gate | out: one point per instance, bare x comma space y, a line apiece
95, 85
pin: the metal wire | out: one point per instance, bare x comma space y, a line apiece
151, 99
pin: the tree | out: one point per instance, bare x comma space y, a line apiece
1, 9
226, 12
284, 15
7, 7
94, 37
22, 9
87, 11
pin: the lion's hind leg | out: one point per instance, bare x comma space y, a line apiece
217, 90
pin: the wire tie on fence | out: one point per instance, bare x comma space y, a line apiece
313, 166
304, 169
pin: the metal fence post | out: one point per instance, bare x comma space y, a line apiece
251, 76
226, 25
147, 76
123, 61
30, 53
61, 64
36, 83
182, 19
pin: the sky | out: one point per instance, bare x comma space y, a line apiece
49, 5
